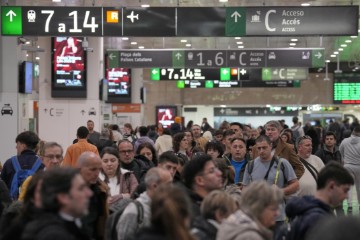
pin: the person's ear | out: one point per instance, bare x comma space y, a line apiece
199, 180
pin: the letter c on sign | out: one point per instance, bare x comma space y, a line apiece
267, 21
240, 59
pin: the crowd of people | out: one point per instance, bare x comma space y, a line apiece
188, 182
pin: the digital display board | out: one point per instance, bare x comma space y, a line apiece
119, 85
26, 77
166, 115
69, 67
346, 88
194, 74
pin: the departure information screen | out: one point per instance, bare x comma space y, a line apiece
347, 88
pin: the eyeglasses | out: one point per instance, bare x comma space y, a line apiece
126, 151
58, 156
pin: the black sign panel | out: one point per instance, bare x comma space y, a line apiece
202, 21
112, 23
189, 74
287, 21
205, 59
151, 22
61, 21
246, 58
236, 84
144, 59
254, 112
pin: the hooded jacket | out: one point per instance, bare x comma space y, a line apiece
241, 225
310, 209
350, 150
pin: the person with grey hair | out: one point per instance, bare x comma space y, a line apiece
258, 211
90, 166
280, 148
127, 225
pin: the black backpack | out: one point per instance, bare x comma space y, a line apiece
117, 210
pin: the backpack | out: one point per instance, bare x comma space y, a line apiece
296, 133
117, 211
20, 176
288, 231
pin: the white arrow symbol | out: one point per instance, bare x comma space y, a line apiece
111, 56
178, 56
318, 55
11, 14
266, 71
154, 71
235, 15
242, 71
225, 71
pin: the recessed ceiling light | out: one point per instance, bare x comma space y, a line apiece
141, 47
237, 38
343, 45
27, 42
223, 0
27, 55
358, 30
336, 52
348, 41
327, 61
241, 46
341, 49
294, 40
125, 38
133, 43
188, 45
332, 55
239, 42
305, 4
292, 44
37, 58
145, 5
56, 0
183, 40
353, 36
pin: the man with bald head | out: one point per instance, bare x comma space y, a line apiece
89, 164
127, 226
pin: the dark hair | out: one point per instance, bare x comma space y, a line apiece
29, 138
30, 193
168, 156
189, 124
334, 171
152, 149
237, 124
114, 127
249, 143
295, 119
82, 132
170, 217
166, 131
128, 125
90, 121
56, 181
216, 146
263, 138
115, 152
238, 139
143, 131
330, 133
177, 138
218, 132
228, 133
183, 159
193, 168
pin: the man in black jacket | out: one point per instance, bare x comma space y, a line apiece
65, 198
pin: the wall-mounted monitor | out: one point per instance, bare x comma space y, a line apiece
69, 68
119, 85
166, 115
346, 88
26, 74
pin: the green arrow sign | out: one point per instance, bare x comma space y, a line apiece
266, 74
178, 59
318, 59
155, 74
209, 84
113, 57
224, 74
180, 84
11, 18
235, 22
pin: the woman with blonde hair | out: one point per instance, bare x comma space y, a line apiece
259, 207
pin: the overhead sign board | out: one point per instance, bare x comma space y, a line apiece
236, 84
179, 21
257, 58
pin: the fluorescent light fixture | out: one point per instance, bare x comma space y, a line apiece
239, 42
188, 45
336, 53
341, 49
359, 30
223, 106
183, 40
223, 0
292, 44
327, 61
305, 4
37, 58
27, 55
241, 46
348, 41
343, 45
353, 36
27, 42
141, 47
56, 0
237, 38
145, 5
125, 38
332, 55
294, 40
133, 43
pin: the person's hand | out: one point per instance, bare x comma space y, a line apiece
125, 195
